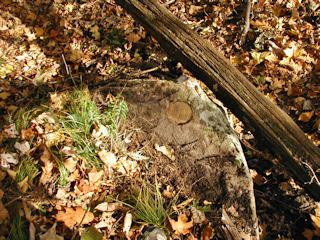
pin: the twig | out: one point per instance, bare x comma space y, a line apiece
67, 69
247, 24
145, 71
314, 176
65, 64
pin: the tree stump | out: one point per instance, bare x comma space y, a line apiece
208, 162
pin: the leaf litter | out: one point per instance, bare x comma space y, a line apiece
70, 43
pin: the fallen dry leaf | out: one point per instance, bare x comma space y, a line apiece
182, 226
306, 116
22, 147
23, 185
257, 178
10, 131
51, 234
133, 37
48, 165
316, 224
126, 166
83, 187
166, 150
95, 176
99, 131
109, 207
70, 164
198, 216
7, 158
32, 231
207, 233
108, 158
106, 221
72, 217
127, 223
4, 214
27, 133
308, 234
294, 91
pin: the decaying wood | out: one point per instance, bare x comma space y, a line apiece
268, 122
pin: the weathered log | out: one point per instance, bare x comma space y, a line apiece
267, 121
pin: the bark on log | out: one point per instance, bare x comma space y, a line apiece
268, 122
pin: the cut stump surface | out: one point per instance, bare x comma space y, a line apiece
209, 162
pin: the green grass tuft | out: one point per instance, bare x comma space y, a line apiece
27, 168
18, 231
150, 207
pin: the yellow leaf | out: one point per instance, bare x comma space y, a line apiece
182, 226
259, 57
261, 24
4, 95
272, 58
39, 31
95, 32
315, 220
306, 116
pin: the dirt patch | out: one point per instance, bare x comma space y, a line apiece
208, 160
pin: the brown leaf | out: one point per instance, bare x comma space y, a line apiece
194, 9
182, 226
4, 214
95, 176
198, 216
23, 185
72, 217
51, 234
133, 37
109, 207
316, 125
276, 84
257, 178
54, 33
84, 186
294, 91
27, 133
48, 166
207, 233
308, 234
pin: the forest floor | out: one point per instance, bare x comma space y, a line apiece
49, 49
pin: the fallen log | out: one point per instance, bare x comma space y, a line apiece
266, 120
